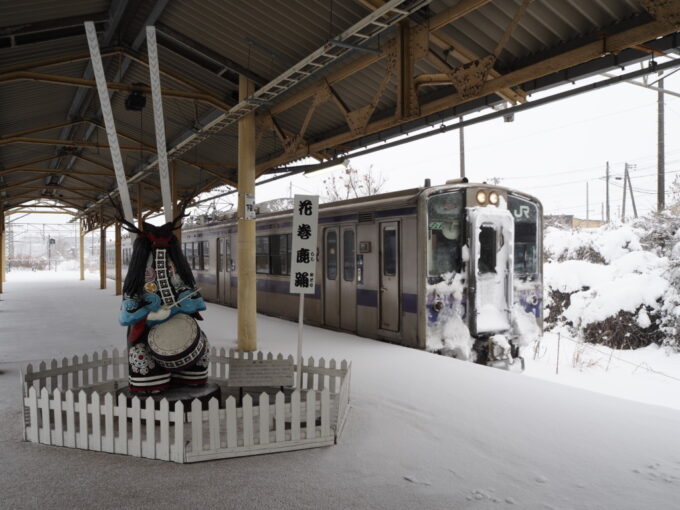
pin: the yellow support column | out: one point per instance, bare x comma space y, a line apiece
119, 262
247, 298
102, 257
82, 250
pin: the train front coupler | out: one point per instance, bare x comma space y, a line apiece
501, 351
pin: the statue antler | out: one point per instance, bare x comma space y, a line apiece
120, 217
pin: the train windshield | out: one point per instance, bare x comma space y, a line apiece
526, 217
444, 224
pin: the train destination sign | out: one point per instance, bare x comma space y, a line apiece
303, 252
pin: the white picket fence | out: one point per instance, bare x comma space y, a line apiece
73, 404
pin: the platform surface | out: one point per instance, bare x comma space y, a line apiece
423, 431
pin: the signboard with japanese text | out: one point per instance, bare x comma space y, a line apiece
303, 252
249, 207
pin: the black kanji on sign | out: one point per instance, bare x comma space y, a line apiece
303, 256
304, 231
305, 207
302, 279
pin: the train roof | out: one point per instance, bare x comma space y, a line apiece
402, 198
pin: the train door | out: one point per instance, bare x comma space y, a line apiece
331, 298
223, 270
389, 276
340, 277
348, 286
492, 234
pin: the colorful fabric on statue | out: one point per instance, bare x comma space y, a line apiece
165, 294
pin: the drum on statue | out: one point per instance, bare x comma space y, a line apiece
178, 343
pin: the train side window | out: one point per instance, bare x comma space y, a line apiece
191, 255
444, 234
527, 217
203, 255
389, 252
487, 249
280, 254
262, 255
348, 258
331, 254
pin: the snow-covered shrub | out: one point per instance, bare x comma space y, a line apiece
626, 330
615, 285
659, 232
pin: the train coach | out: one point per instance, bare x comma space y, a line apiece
454, 269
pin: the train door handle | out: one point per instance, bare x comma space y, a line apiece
383, 289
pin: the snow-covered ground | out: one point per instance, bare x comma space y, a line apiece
606, 271
424, 431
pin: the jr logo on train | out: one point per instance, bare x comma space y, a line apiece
455, 269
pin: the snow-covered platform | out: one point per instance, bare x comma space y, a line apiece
77, 404
424, 431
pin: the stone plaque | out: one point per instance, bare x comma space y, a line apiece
251, 372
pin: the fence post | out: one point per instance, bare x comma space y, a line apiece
557, 365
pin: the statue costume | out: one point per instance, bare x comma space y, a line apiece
161, 304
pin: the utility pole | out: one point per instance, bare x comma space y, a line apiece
461, 138
587, 202
608, 218
630, 187
661, 157
625, 184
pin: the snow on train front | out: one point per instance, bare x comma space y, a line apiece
484, 273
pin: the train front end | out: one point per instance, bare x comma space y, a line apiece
483, 290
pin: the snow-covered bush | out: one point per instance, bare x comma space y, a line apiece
616, 285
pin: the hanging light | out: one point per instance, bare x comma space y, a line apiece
136, 100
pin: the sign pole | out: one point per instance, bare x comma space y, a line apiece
299, 345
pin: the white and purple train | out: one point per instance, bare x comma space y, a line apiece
455, 269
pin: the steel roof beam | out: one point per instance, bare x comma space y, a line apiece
129, 87
116, 12
168, 35
588, 52
151, 19
41, 31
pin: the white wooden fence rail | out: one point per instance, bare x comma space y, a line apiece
73, 404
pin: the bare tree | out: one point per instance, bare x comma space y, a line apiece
354, 183
674, 190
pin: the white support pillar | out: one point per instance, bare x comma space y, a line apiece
119, 262
3, 260
102, 257
247, 298
82, 249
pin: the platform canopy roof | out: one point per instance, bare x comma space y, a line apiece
330, 76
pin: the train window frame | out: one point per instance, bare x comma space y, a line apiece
262, 254
203, 255
526, 239
393, 253
445, 235
488, 249
280, 259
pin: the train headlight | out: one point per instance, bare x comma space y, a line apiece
493, 198
481, 197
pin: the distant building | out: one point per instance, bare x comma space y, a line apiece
569, 221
